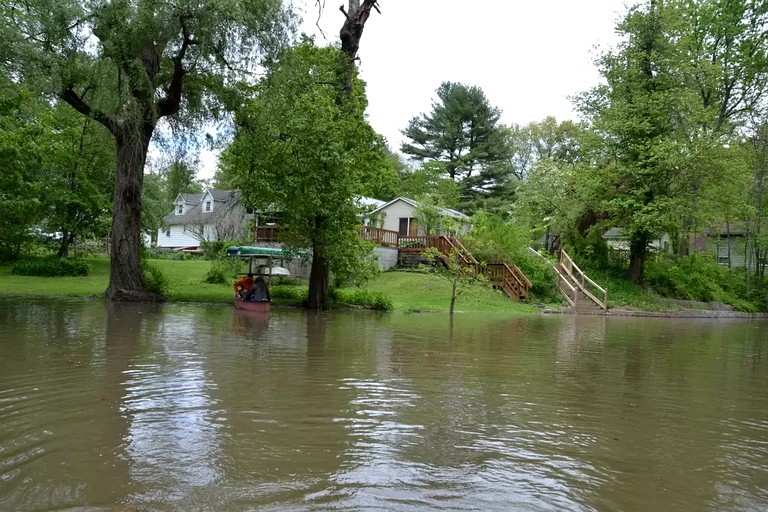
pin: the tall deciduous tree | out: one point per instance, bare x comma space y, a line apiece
685, 78
636, 110
128, 64
464, 134
78, 169
308, 155
21, 158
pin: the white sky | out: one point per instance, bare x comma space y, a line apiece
528, 56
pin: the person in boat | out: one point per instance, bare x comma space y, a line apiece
244, 286
260, 291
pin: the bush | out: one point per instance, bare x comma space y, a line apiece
217, 274
289, 293
51, 267
155, 280
358, 297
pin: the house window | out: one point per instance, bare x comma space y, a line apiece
179, 209
207, 206
408, 227
168, 232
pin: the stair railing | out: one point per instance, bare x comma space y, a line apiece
590, 288
565, 288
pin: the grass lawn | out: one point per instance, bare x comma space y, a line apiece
417, 291
409, 291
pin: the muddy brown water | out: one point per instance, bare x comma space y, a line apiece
193, 407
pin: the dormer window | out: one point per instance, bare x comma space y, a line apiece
179, 209
207, 206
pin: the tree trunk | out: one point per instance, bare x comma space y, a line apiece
319, 275
352, 30
66, 240
637, 250
453, 296
126, 278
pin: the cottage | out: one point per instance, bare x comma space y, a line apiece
618, 240
400, 215
211, 216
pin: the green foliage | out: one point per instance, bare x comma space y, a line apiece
364, 298
156, 280
51, 267
429, 215
358, 265
127, 65
463, 133
696, 277
297, 294
429, 179
542, 278
305, 149
218, 273
21, 155
494, 239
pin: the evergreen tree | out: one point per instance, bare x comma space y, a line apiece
463, 133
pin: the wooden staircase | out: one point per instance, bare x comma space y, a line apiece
510, 279
582, 293
503, 276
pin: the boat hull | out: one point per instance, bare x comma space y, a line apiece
255, 306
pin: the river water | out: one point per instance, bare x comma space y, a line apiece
194, 407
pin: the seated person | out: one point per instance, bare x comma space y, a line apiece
243, 287
260, 291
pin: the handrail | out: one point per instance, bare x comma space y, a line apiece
510, 278
580, 278
379, 236
560, 280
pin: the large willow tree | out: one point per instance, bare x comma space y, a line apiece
129, 63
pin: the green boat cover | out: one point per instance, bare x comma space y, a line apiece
247, 251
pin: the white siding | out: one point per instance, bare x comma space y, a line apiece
178, 238
394, 212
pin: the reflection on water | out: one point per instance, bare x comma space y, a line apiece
189, 407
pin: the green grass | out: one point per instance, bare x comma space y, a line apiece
82, 286
623, 293
417, 291
409, 291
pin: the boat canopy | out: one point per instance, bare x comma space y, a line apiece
251, 251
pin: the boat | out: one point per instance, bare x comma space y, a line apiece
256, 306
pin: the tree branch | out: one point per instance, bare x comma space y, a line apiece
172, 101
75, 101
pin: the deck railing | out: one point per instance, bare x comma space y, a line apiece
379, 236
269, 233
590, 288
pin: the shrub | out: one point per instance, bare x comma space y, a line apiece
358, 297
217, 274
51, 267
290, 293
155, 280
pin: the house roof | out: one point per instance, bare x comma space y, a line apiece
195, 214
615, 234
448, 212
369, 201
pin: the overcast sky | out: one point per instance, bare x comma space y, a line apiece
528, 56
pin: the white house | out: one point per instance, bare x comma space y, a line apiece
617, 240
208, 217
399, 215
